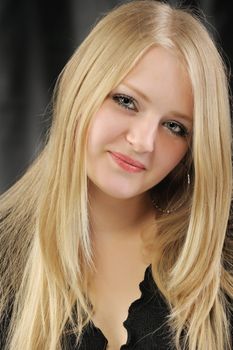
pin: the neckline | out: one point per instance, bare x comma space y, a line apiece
145, 288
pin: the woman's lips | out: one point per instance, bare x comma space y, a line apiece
127, 163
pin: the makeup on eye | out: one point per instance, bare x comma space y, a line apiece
125, 101
176, 128
130, 103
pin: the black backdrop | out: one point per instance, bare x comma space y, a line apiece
36, 39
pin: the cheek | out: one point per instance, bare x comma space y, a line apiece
180, 151
105, 128
172, 153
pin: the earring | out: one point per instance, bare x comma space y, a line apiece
169, 211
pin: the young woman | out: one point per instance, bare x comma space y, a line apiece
116, 237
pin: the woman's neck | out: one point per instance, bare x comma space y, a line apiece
118, 217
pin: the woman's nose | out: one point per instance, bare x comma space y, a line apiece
142, 134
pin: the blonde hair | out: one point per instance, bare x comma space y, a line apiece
45, 247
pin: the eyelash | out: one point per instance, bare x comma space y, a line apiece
119, 97
183, 131
171, 124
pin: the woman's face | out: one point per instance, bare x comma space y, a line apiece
142, 130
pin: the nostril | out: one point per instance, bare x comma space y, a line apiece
141, 143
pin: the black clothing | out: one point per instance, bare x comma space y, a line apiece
145, 324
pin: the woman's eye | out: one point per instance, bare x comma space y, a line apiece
125, 101
176, 128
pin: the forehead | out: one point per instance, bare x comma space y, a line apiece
163, 78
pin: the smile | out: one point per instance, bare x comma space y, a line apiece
126, 163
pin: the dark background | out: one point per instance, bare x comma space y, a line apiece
37, 37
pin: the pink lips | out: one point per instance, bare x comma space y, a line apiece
127, 163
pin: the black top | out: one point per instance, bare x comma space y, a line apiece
146, 324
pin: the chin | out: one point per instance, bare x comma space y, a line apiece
121, 195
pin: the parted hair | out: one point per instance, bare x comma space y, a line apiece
45, 246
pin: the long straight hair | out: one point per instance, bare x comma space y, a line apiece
45, 247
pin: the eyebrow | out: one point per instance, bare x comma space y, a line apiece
140, 93
189, 119
146, 98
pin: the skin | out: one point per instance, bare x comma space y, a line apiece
148, 117
142, 132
